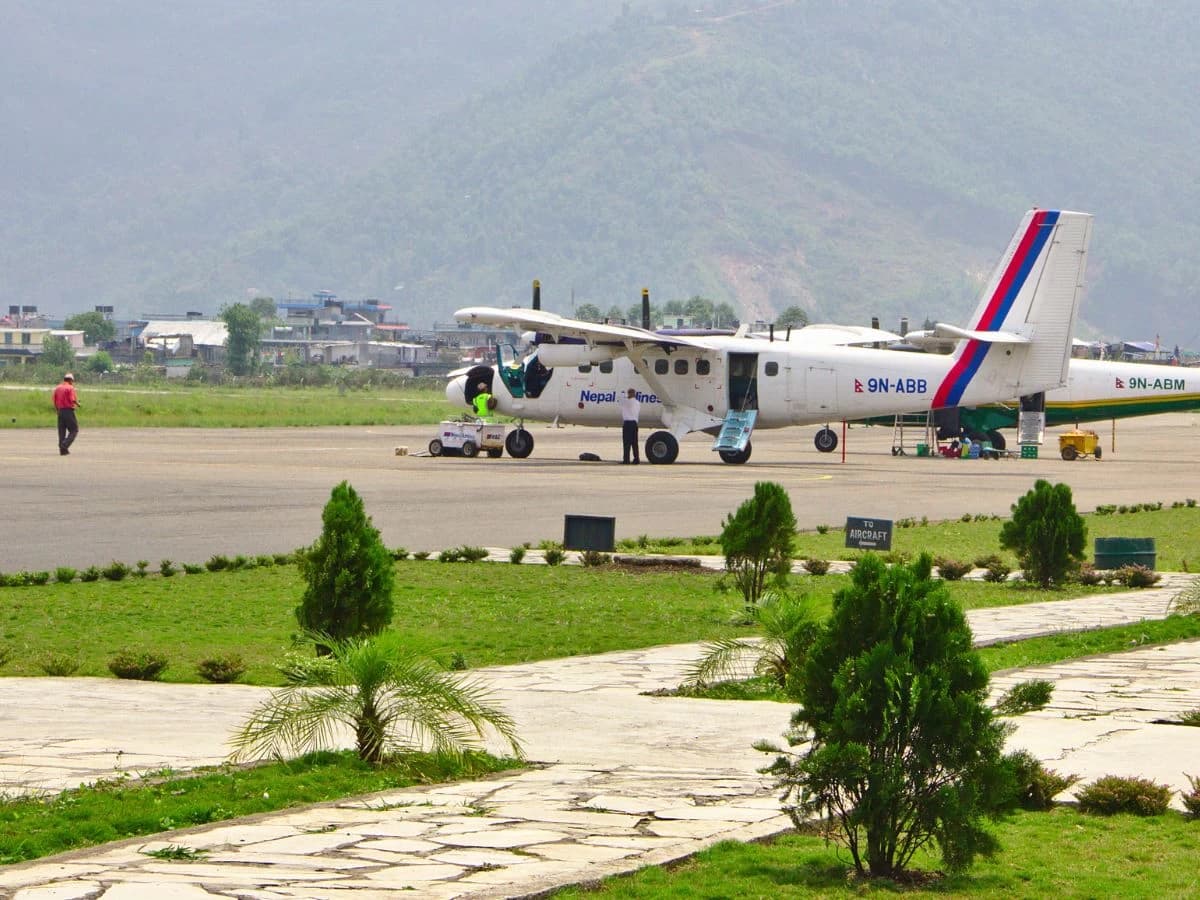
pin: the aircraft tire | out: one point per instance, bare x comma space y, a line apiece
661, 448
735, 457
826, 440
997, 440
469, 450
435, 447
519, 443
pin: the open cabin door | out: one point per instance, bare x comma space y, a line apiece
743, 381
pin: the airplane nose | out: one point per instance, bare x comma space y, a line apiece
456, 393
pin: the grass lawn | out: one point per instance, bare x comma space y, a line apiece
112, 810
1176, 533
491, 613
1061, 854
200, 406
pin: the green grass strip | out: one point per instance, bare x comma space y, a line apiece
122, 808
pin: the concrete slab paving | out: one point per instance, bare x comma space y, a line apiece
625, 780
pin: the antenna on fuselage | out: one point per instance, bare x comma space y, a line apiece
771, 332
646, 308
537, 294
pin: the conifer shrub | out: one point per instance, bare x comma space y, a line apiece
1119, 794
554, 556
91, 573
166, 568
137, 665
450, 554
221, 669
348, 573
194, 568
516, 555
472, 554
64, 574
1046, 533
900, 747
1024, 697
142, 566
757, 541
217, 563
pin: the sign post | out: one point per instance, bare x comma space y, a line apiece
868, 534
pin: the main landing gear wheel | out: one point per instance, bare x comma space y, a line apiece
735, 457
469, 450
519, 443
435, 447
826, 440
661, 448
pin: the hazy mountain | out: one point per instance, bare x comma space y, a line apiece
855, 158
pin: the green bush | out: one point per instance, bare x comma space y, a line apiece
952, 569
472, 554
263, 561
5, 654
554, 556
996, 573
516, 554
1136, 576
1118, 794
986, 562
1087, 575
138, 666
91, 573
115, 571
458, 662
283, 559
1024, 697
1046, 533
816, 566
822, 529
221, 669
1037, 786
166, 568
421, 554
399, 553
348, 573
592, 558
757, 540
217, 563
142, 566
193, 568
1191, 718
39, 577
239, 562
1191, 797
64, 574
449, 555
60, 665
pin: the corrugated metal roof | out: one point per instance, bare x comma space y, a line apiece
204, 333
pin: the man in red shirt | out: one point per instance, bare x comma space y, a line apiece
65, 402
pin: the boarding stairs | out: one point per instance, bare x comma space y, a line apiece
736, 430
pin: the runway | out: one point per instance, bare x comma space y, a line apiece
184, 494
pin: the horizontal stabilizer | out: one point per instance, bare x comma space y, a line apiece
942, 330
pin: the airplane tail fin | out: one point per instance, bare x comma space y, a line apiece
1019, 336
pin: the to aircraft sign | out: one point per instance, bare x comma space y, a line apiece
868, 534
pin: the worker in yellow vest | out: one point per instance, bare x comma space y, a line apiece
483, 401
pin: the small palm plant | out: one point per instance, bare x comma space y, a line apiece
788, 625
393, 702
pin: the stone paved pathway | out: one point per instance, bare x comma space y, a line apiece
625, 780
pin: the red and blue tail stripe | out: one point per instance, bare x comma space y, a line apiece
950, 391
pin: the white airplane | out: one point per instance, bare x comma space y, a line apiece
1017, 343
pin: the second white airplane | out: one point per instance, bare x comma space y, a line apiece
1016, 343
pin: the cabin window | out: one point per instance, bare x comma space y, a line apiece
660, 367
681, 367
606, 367
702, 367
585, 368
771, 368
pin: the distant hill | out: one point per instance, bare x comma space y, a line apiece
856, 159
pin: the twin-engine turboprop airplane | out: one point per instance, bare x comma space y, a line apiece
1017, 343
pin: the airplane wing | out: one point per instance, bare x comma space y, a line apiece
828, 335
558, 326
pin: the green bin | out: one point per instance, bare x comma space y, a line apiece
1114, 552
922, 449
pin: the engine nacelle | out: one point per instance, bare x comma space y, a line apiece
556, 355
